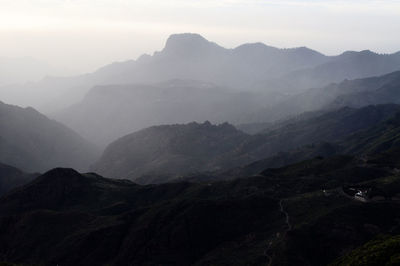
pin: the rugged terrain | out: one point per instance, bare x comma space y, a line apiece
161, 153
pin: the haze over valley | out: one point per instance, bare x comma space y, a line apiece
122, 145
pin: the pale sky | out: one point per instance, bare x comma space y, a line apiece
86, 34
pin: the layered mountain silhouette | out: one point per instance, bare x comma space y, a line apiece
189, 56
380, 138
281, 216
128, 108
352, 93
313, 179
32, 142
161, 153
132, 107
349, 65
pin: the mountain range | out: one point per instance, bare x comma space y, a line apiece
129, 108
203, 155
161, 153
351, 93
186, 56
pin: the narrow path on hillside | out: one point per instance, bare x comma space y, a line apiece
287, 218
278, 235
266, 253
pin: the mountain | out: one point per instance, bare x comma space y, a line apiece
190, 56
170, 149
161, 153
352, 93
382, 137
131, 107
11, 177
248, 67
349, 65
128, 108
296, 215
32, 142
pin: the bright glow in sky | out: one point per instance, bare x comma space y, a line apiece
86, 34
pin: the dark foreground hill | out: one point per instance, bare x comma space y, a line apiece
32, 142
161, 153
296, 215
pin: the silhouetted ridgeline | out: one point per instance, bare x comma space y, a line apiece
191, 57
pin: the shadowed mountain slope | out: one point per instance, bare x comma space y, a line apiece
11, 177
381, 138
162, 153
32, 142
170, 149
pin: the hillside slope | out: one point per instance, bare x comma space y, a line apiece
280, 217
169, 150
159, 154
32, 142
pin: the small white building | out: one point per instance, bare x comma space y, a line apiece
361, 195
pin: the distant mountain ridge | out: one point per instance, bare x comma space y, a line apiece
348, 65
190, 56
352, 93
109, 112
134, 107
